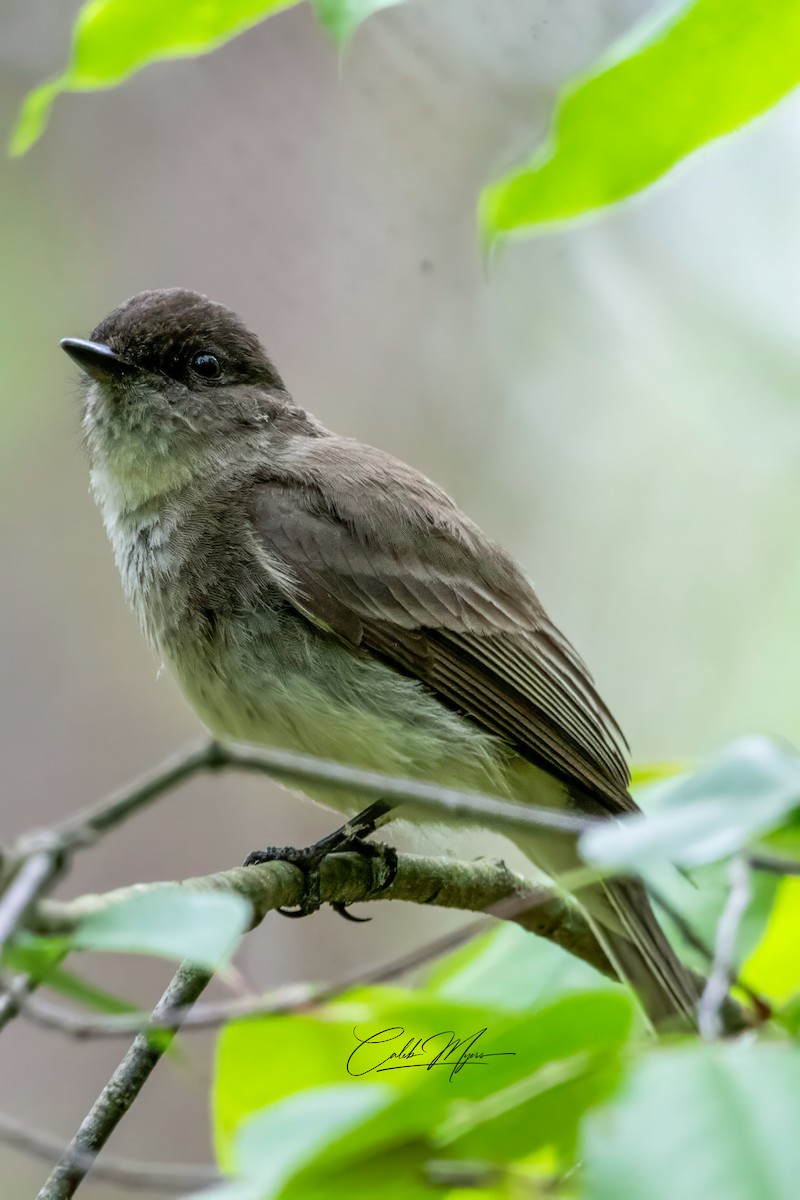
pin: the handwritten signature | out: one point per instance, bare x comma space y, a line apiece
441, 1049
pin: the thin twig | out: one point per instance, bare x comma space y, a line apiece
345, 878
774, 866
86, 826
29, 881
160, 1177
735, 1018
715, 993
476, 886
293, 998
479, 886
342, 876
679, 921
41, 856
492, 811
13, 996
432, 880
121, 1090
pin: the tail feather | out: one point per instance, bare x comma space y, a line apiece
626, 928
669, 991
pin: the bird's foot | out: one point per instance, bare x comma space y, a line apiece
348, 839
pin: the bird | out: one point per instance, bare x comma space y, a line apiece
314, 593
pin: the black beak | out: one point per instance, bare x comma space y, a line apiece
97, 360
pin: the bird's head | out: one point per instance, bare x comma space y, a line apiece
174, 382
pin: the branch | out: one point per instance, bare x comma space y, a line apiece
121, 1090
478, 886
715, 993
481, 886
293, 998
774, 866
160, 1177
28, 881
489, 888
35, 862
12, 999
90, 823
284, 765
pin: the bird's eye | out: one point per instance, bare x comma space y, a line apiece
206, 366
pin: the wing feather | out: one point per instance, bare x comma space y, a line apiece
382, 558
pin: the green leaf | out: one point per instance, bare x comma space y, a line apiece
565, 1058
572, 1055
511, 970
700, 896
665, 90
645, 773
700, 1122
200, 926
746, 790
68, 984
312, 1050
270, 1147
773, 968
341, 18
114, 38
40, 958
33, 955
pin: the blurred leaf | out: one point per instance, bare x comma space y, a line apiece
236, 1189
789, 1016
68, 984
304, 1051
773, 969
40, 958
535, 1177
510, 969
566, 1058
646, 773
746, 790
34, 955
700, 1122
783, 842
200, 926
675, 83
700, 895
574, 1064
270, 1147
341, 18
114, 38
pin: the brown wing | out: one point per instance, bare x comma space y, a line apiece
382, 558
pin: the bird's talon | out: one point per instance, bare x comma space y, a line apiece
309, 859
294, 913
341, 908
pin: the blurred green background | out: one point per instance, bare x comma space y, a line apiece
619, 404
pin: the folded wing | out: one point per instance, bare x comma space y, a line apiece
393, 568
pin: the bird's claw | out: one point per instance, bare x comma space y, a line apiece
309, 859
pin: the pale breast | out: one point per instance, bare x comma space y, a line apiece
255, 670
275, 680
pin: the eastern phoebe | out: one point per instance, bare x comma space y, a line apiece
316, 594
